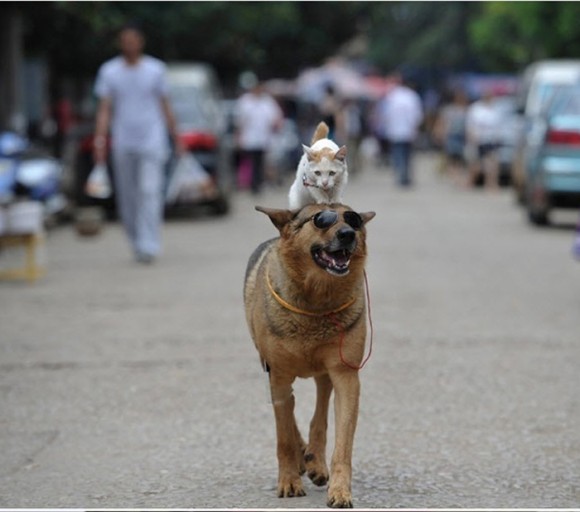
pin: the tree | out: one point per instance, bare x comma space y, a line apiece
271, 38
509, 35
422, 34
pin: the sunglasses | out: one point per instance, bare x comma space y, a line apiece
328, 218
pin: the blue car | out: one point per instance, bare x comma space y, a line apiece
552, 161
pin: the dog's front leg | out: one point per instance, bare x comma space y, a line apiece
347, 388
315, 456
289, 442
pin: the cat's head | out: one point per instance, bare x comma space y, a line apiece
325, 167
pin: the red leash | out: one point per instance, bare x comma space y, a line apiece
342, 332
332, 316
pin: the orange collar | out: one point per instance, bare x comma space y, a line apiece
294, 309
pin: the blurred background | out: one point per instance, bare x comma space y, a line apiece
125, 386
50, 52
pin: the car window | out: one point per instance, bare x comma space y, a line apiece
545, 93
566, 101
571, 106
187, 106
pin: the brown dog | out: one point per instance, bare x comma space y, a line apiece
305, 307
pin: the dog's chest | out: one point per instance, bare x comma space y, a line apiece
307, 344
307, 332
302, 357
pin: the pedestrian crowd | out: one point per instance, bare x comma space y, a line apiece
134, 107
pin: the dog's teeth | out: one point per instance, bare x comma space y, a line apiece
335, 262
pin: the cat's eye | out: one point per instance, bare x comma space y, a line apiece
332, 173
317, 173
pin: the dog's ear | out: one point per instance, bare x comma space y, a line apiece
367, 216
279, 218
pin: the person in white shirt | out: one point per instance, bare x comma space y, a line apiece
133, 101
482, 124
401, 116
257, 115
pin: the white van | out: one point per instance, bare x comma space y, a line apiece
541, 78
539, 82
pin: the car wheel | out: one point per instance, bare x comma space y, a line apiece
538, 212
538, 218
220, 206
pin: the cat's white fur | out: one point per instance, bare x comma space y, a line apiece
322, 172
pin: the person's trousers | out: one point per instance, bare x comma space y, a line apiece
401, 159
256, 157
139, 193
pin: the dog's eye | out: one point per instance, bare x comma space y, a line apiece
325, 219
353, 219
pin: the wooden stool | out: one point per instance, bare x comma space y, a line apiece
32, 268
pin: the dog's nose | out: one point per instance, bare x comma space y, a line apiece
346, 235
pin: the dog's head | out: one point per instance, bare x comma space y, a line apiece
328, 238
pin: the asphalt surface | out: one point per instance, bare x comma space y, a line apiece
128, 386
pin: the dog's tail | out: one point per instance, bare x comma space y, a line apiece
321, 132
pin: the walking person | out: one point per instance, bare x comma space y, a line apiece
257, 115
331, 113
401, 115
353, 128
483, 123
133, 102
453, 127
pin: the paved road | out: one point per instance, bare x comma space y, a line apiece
129, 386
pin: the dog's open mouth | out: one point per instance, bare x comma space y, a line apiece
334, 262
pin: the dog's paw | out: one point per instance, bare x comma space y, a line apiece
290, 488
339, 498
317, 470
319, 479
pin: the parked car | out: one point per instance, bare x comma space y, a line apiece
552, 157
196, 99
539, 82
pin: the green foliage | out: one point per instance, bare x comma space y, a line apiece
279, 38
272, 38
509, 35
426, 34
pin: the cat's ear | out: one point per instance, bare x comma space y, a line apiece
308, 152
340, 155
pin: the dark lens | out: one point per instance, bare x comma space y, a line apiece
353, 219
325, 219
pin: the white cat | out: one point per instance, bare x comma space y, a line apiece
322, 173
